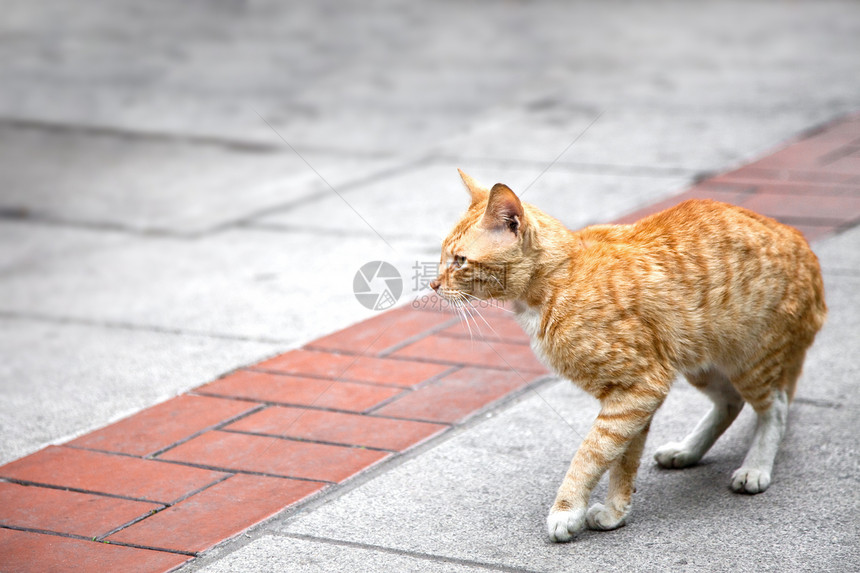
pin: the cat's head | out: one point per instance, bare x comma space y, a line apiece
488, 253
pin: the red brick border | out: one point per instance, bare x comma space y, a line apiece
153, 490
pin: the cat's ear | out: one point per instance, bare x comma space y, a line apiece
504, 210
477, 192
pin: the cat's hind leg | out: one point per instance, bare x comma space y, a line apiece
768, 387
754, 475
727, 404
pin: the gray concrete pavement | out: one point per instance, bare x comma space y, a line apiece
155, 231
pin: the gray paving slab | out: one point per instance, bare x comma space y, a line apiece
398, 77
277, 553
834, 352
841, 253
23, 244
364, 88
719, 55
627, 135
483, 495
253, 284
156, 185
59, 380
426, 202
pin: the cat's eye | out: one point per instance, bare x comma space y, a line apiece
459, 261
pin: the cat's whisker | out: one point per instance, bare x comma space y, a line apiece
503, 309
497, 281
481, 316
469, 318
467, 308
458, 304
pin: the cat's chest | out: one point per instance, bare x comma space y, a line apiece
530, 321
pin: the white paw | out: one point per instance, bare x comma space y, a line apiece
674, 455
601, 517
563, 525
750, 480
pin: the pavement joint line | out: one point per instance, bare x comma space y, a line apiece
387, 352
31, 483
499, 403
213, 427
310, 407
128, 524
565, 150
388, 401
461, 364
275, 372
245, 472
275, 227
406, 553
823, 403
400, 166
581, 167
56, 319
491, 338
846, 226
95, 540
147, 547
324, 180
245, 221
247, 145
310, 441
215, 482
369, 413
93, 225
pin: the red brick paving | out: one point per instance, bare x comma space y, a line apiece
274, 456
347, 367
63, 511
300, 391
97, 472
477, 352
175, 479
339, 428
491, 327
382, 332
160, 426
457, 396
813, 183
218, 513
24, 551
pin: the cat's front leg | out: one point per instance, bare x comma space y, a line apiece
620, 427
622, 484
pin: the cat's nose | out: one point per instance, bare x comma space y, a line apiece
435, 284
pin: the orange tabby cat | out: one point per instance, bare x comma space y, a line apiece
727, 297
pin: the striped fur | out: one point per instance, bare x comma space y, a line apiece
723, 295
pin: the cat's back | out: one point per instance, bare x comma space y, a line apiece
704, 274
715, 222
734, 251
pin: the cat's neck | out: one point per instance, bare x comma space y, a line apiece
555, 250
